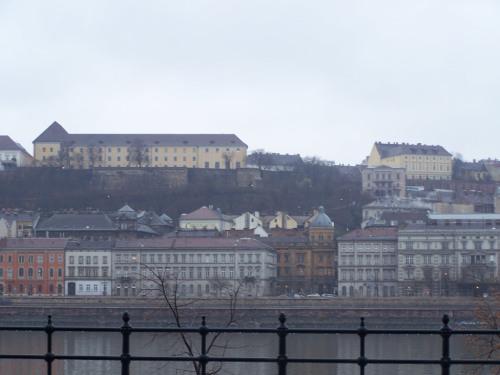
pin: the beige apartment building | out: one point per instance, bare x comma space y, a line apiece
420, 161
384, 181
56, 147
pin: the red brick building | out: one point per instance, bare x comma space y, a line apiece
32, 266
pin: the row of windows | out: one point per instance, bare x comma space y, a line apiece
145, 149
367, 259
30, 289
367, 275
190, 258
88, 259
201, 272
30, 273
31, 259
88, 271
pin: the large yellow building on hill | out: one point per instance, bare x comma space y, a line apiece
56, 147
420, 161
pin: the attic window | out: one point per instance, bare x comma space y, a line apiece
157, 142
185, 142
233, 142
101, 142
212, 142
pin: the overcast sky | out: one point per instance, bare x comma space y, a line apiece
325, 78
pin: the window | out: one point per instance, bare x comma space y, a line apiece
217, 165
51, 273
409, 259
71, 259
20, 259
80, 259
105, 260
207, 164
39, 273
87, 259
21, 272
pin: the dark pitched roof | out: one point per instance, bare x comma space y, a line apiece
56, 133
192, 243
371, 234
34, 243
77, 222
387, 150
8, 144
89, 245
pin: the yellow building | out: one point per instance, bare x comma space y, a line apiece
56, 147
420, 161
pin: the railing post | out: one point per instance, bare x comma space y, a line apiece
282, 333
362, 331
49, 356
203, 355
445, 334
125, 356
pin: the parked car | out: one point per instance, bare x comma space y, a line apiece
314, 295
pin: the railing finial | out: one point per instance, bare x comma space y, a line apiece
362, 324
445, 320
126, 318
282, 319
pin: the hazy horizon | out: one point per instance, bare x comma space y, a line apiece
324, 79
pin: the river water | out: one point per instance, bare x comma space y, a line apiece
312, 346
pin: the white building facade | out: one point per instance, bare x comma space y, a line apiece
88, 268
367, 265
197, 267
455, 254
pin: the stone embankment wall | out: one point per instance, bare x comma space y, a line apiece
262, 312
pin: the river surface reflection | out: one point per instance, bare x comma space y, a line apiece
311, 346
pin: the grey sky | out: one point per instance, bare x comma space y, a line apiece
324, 78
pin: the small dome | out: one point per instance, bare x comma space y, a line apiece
321, 220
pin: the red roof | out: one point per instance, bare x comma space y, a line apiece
202, 213
371, 234
33, 243
192, 243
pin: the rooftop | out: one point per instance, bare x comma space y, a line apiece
56, 133
77, 222
7, 144
33, 243
371, 234
216, 243
388, 150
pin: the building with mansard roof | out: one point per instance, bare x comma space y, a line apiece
56, 147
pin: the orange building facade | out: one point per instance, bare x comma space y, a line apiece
32, 266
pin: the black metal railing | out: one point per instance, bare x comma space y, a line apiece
281, 360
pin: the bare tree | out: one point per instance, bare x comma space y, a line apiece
487, 346
166, 285
137, 154
228, 157
92, 155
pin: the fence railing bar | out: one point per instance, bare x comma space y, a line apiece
282, 357
125, 356
445, 334
282, 360
362, 362
203, 359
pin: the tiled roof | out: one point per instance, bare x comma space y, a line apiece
192, 243
33, 243
7, 144
77, 222
202, 213
388, 150
56, 133
89, 245
371, 234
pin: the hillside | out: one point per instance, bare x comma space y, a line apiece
178, 190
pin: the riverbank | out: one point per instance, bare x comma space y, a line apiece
262, 312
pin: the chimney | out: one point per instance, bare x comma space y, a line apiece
256, 214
